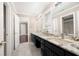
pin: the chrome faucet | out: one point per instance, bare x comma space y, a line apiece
75, 38
62, 35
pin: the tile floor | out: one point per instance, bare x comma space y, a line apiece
27, 49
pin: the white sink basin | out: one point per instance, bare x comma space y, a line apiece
70, 40
49, 37
75, 45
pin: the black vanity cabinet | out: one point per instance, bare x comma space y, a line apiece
50, 49
33, 38
36, 40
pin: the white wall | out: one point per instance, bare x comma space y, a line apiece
24, 19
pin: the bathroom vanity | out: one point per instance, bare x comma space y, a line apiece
53, 46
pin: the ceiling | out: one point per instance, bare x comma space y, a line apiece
30, 8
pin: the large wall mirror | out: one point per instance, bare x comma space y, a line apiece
46, 21
68, 24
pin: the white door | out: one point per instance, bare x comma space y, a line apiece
23, 29
23, 32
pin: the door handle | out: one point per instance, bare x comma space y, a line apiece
2, 42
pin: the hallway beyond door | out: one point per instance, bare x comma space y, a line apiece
23, 32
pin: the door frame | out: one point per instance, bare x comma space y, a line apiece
27, 29
4, 12
14, 30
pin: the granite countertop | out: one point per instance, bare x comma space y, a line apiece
63, 43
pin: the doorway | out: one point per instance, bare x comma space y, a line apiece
23, 32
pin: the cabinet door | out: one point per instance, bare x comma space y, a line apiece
42, 47
42, 51
38, 44
48, 51
32, 37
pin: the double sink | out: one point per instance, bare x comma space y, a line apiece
60, 41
